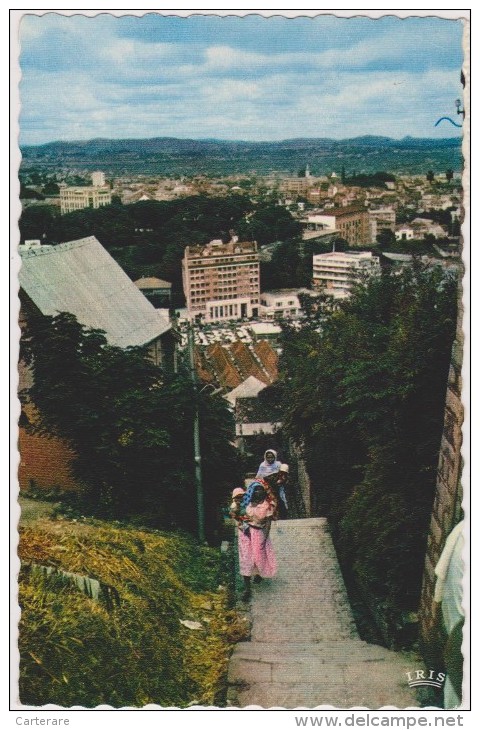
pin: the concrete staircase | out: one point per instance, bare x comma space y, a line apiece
305, 650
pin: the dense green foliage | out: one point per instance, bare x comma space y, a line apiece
29, 194
149, 238
386, 237
75, 650
378, 179
365, 385
132, 431
287, 268
269, 223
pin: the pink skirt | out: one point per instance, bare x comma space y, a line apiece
255, 553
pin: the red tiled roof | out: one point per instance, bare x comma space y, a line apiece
268, 357
202, 368
225, 372
246, 363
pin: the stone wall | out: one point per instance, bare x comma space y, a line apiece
303, 478
447, 506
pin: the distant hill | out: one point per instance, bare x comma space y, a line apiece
169, 155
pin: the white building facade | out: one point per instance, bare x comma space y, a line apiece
404, 233
335, 273
72, 199
98, 179
280, 304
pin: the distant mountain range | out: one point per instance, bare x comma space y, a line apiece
169, 155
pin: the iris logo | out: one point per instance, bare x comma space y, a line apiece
424, 678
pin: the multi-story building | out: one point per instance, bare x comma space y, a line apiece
221, 281
72, 199
386, 216
334, 273
351, 223
298, 186
98, 179
381, 219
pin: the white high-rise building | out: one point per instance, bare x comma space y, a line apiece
334, 273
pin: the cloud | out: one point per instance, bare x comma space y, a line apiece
253, 78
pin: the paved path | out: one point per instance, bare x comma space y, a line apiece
305, 650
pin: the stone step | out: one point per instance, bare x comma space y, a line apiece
288, 696
256, 662
303, 523
305, 650
348, 651
341, 674
325, 627
333, 694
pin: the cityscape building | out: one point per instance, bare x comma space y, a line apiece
81, 278
98, 179
78, 198
221, 281
280, 304
334, 273
157, 291
351, 223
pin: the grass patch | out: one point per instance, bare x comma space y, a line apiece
74, 650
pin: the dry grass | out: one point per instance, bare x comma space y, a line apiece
74, 651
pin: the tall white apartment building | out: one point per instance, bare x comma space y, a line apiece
334, 273
221, 281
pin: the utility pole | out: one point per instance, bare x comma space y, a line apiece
196, 439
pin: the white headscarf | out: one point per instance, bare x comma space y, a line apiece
265, 469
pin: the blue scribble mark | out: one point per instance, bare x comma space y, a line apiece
448, 120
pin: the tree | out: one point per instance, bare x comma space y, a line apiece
386, 237
269, 223
430, 176
365, 383
455, 227
378, 179
39, 222
130, 425
51, 188
286, 269
29, 194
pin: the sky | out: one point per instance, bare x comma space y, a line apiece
250, 78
